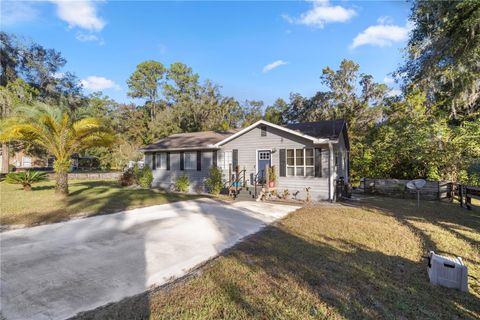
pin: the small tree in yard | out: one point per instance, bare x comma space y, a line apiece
214, 181
59, 133
26, 179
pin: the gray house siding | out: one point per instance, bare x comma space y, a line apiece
250, 142
333, 164
163, 178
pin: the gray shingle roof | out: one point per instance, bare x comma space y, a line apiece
191, 140
329, 129
321, 129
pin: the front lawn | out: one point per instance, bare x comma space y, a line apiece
362, 260
43, 205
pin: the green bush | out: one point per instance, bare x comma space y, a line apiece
26, 179
136, 175
146, 177
214, 182
182, 184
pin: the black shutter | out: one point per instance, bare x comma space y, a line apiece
318, 162
182, 160
199, 160
282, 165
168, 160
234, 159
154, 161
214, 155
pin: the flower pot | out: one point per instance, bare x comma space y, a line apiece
271, 184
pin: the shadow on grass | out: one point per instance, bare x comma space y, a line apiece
278, 274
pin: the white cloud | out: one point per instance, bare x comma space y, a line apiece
388, 80
322, 13
394, 93
95, 83
381, 35
79, 13
85, 37
15, 12
273, 65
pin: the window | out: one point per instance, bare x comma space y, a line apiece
190, 160
264, 131
161, 159
264, 155
300, 162
27, 162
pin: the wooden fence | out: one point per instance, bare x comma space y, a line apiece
433, 190
464, 194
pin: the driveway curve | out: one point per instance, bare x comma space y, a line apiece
55, 271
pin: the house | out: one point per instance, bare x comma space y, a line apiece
303, 155
21, 161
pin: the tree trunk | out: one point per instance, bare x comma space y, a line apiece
5, 155
27, 187
61, 185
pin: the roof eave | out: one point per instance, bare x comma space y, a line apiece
209, 147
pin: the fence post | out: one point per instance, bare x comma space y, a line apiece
460, 194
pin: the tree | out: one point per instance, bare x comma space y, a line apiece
442, 56
57, 131
276, 112
145, 83
40, 68
252, 112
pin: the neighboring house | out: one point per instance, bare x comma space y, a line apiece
312, 154
22, 161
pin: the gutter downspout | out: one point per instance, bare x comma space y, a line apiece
330, 175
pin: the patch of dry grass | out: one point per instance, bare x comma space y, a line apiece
43, 205
357, 261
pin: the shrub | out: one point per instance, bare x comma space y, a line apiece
182, 184
127, 178
214, 182
136, 175
145, 178
26, 179
272, 176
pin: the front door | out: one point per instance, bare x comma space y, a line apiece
263, 159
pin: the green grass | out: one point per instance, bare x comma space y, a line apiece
359, 261
43, 205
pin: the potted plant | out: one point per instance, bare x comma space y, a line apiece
286, 193
272, 177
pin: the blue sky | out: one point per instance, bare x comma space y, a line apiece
254, 50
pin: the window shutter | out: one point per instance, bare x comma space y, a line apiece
282, 165
199, 160
234, 159
215, 155
154, 161
168, 160
318, 162
182, 160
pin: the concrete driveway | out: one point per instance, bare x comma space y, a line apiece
55, 271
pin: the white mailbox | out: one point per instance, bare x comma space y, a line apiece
448, 272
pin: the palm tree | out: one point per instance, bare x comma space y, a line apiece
59, 132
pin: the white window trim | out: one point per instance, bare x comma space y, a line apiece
193, 160
295, 166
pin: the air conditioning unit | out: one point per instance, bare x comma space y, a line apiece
448, 272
